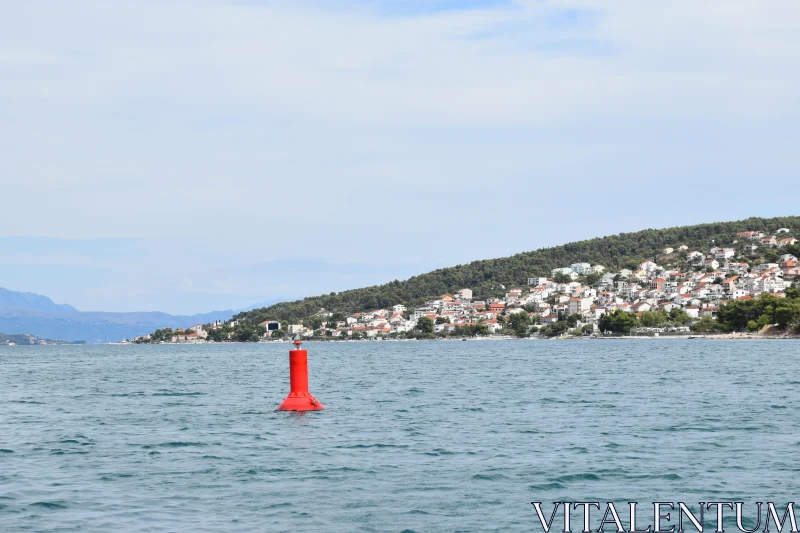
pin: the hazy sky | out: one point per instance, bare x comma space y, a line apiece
196, 155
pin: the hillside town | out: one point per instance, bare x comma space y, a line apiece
683, 284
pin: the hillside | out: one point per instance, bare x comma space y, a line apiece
24, 340
486, 276
28, 300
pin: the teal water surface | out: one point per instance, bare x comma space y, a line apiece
418, 436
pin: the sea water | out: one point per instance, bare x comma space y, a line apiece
417, 436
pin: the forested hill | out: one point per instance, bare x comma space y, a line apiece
25, 339
486, 276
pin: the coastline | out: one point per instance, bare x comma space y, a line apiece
722, 336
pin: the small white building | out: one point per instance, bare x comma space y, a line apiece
580, 268
725, 253
765, 266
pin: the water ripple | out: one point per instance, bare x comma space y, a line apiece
427, 436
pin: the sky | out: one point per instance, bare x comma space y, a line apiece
195, 156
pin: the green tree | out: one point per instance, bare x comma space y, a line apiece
752, 314
617, 321
561, 277
593, 278
442, 320
160, 335
755, 325
793, 292
793, 249
519, 323
654, 319
425, 325
556, 328
248, 333
315, 322
219, 335
771, 255
706, 325
679, 315
785, 313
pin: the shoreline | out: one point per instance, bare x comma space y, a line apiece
720, 336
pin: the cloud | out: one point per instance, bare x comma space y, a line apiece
148, 275
389, 131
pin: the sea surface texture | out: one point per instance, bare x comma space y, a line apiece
417, 436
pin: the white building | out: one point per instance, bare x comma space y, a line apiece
421, 312
579, 305
649, 266
765, 266
580, 268
725, 253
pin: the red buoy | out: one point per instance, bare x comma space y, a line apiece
299, 399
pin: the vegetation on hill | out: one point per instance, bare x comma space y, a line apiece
25, 339
487, 277
766, 311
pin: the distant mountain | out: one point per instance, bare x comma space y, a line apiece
22, 312
28, 300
